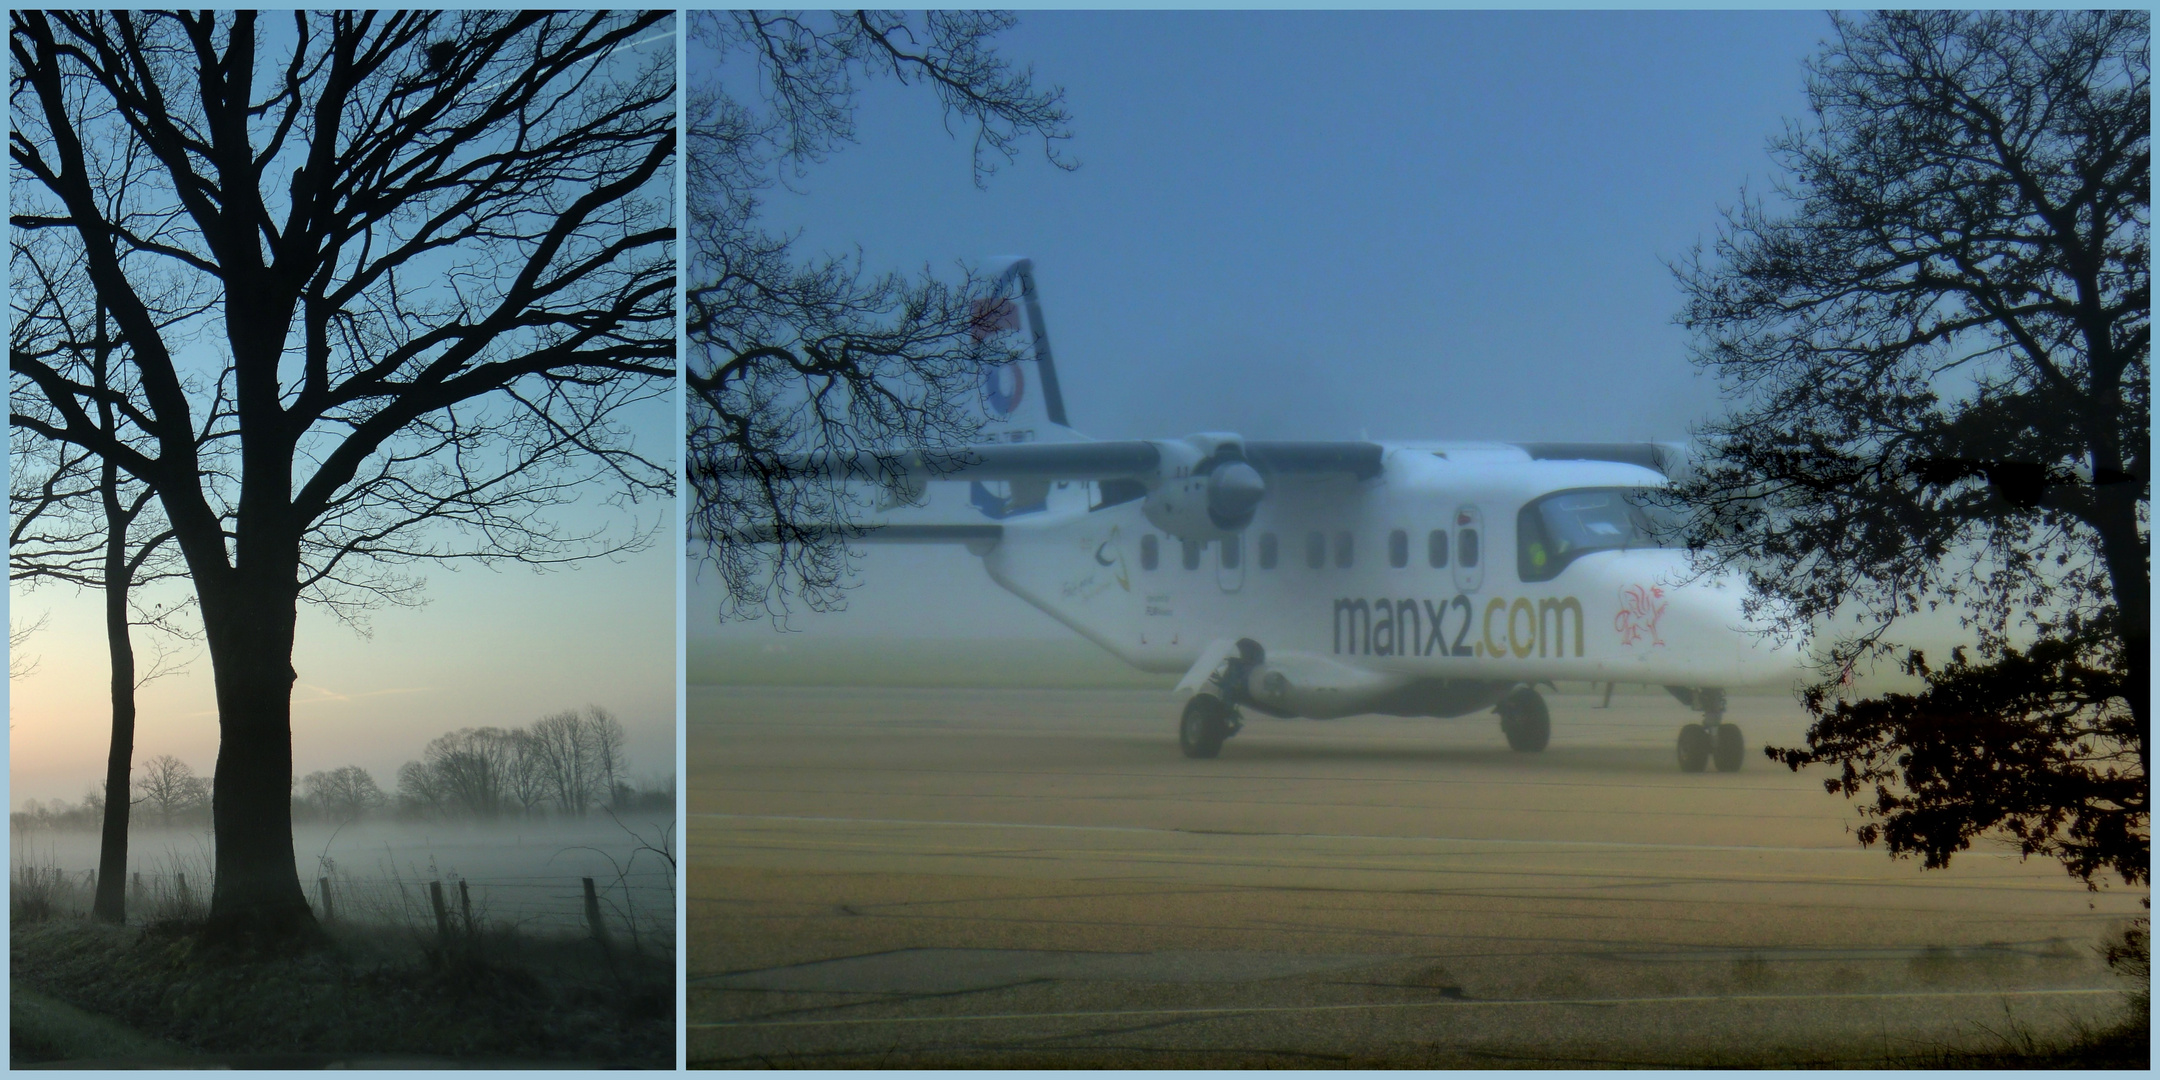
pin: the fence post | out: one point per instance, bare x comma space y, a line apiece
442, 914
322, 899
592, 913
464, 897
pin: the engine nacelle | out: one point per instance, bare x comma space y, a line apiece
1203, 489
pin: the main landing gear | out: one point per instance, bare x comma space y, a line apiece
1525, 720
1713, 741
1210, 718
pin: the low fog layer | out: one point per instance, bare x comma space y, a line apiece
528, 872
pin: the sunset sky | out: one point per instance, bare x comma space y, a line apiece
491, 647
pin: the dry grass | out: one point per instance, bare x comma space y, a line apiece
363, 990
382, 979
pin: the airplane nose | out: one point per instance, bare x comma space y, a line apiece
1234, 491
1773, 649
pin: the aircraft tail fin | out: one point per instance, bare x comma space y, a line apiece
1021, 401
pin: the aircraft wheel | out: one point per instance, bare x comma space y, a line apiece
1694, 748
1730, 749
1525, 721
1204, 726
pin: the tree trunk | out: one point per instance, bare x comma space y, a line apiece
110, 903
249, 620
2130, 577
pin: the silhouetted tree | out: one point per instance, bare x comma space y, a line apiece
171, 787
468, 772
1939, 339
346, 793
20, 662
529, 786
791, 357
579, 755
75, 518
436, 286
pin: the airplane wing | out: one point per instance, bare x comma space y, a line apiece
1131, 459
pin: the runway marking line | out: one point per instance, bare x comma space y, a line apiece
1456, 1003
1619, 844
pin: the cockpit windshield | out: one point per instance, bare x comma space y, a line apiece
1566, 525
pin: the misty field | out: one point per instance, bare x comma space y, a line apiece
443, 942
525, 875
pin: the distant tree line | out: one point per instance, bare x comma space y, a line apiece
569, 764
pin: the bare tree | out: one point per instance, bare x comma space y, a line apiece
346, 793
1939, 342
168, 785
529, 786
608, 742
439, 278
77, 519
21, 664
470, 771
563, 746
791, 357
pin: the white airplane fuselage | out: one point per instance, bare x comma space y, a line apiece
1367, 627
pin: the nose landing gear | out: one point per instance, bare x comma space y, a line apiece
1525, 720
1208, 721
1713, 741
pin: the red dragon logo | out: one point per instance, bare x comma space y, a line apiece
1639, 611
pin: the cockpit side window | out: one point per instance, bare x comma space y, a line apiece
1559, 528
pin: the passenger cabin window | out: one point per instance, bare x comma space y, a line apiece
1436, 548
1233, 551
1564, 526
1267, 551
1344, 556
1192, 554
1466, 547
1150, 551
1315, 550
1398, 549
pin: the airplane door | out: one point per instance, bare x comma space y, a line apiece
1230, 564
1469, 548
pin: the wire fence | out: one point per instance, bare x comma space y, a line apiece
637, 906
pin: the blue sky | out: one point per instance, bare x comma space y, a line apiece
1424, 224
1321, 225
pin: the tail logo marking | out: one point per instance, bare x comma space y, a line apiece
1003, 388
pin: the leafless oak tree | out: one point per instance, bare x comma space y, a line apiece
438, 277
346, 793
792, 356
77, 519
168, 785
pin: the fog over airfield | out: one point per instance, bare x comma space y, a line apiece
1401, 225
